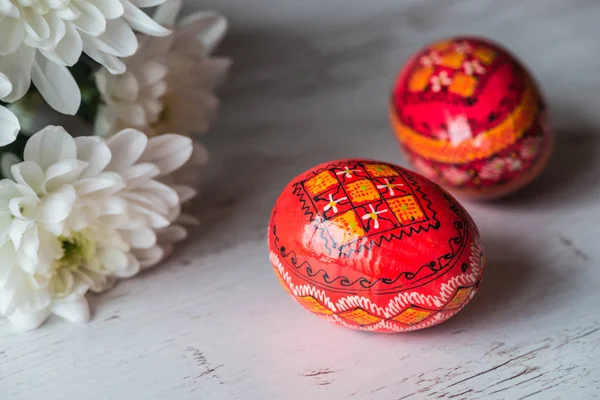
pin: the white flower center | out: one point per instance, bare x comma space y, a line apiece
78, 250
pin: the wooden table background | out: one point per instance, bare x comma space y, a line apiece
310, 84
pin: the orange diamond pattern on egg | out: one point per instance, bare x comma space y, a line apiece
320, 183
485, 55
406, 209
461, 295
380, 170
463, 85
452, 60
313, 305
345, 227
361, 191
359, 316
412, 315
420, 79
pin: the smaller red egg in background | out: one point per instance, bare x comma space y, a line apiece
373, 246
470, 117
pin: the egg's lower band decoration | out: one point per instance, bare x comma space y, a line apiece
469, 116
372, 246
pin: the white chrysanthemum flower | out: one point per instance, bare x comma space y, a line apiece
41, 38
82, 213
169, 83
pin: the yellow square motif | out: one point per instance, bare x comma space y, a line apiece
360, 316
420, 79
345, 227
462, 84
311, 304
361, 191
452, 60
459, 298
412, 316
320, 183
378, 170
485, 55
406, 209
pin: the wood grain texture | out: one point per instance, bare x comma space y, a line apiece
310, 83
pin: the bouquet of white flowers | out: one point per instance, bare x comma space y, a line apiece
78, 212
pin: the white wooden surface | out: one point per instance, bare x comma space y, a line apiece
310, 84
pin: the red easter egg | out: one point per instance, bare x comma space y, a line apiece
373, 246
470, 117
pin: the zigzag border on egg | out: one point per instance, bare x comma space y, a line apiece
398, 303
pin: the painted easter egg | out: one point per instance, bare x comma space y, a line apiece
373, 246
470, 117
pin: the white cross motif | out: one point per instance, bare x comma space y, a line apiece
463, 47
347, 172
440, 80
514, 164
473, 67
431, 59
374, 215
333, 203
389, 186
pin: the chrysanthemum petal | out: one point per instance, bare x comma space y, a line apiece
207, 27
68, 50
49, 146
185, 193
62, 173
9, 10
73, 311
95, 152
172, 234
118, 39
111, 9
28, 320
57, 29
143, 238
12, 32
36, 25
141, 22
132, 268
169, 152
9, 126
126, 88
140, 173
166, 14
113, 64
56, 85
8, 257
149, 257
126, 146
28, 173
57, 206
91, 20
17, 229
17, 68
91, 185
152, 3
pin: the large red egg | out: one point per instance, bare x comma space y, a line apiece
373, 246
470, 117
